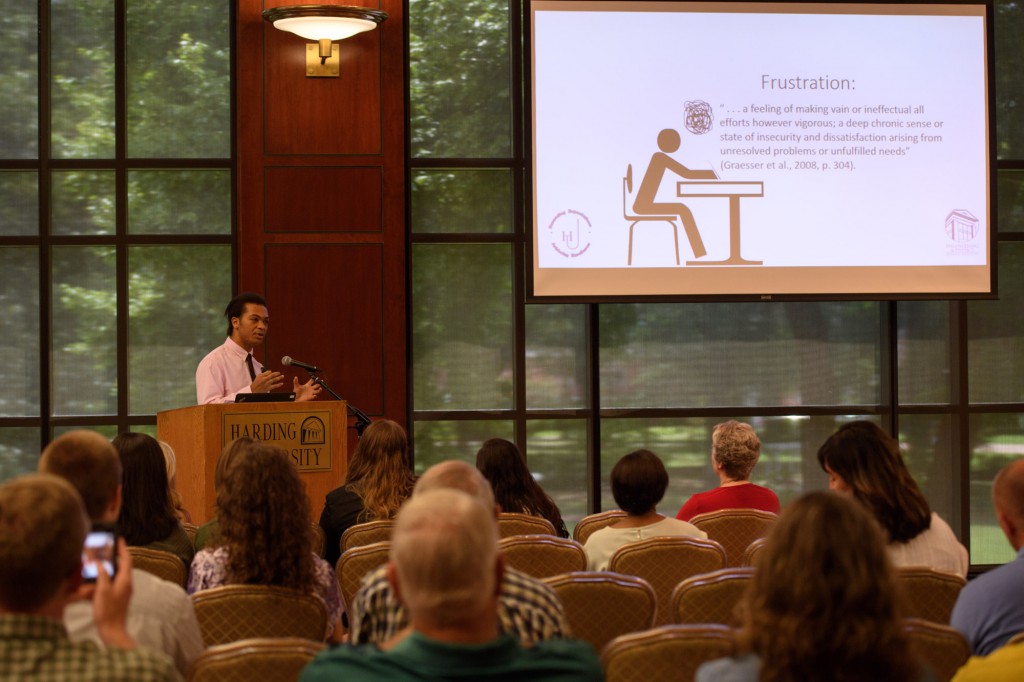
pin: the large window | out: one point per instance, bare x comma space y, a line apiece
116, 163
577, 386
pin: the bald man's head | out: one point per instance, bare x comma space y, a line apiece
1008, 499
456, 475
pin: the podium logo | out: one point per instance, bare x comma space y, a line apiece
312, 432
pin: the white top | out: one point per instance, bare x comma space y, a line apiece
160, 616
223, 373
936, 547
603, 543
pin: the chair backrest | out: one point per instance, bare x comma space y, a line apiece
233, 612
366, 533
260, 658
929, 594
753, 552
354, 563
711, 597
665, 562
601, 605
670, 652
942, 647
735, 529
1016, 639
627, 189
588, 524
514, 523
190, 530
318, 539
543, 555
161, 564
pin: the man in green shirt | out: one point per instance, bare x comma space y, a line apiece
43, 524
446, 569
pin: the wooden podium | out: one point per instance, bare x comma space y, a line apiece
314, 434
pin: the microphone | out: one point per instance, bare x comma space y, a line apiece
287, 360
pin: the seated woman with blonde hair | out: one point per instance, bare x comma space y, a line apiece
822, 605
735, 449
264, 536
864, 462
639, 481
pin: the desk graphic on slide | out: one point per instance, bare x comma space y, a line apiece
733, 191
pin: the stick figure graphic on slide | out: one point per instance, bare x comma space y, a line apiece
645, 202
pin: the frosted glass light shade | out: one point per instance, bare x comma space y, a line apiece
318, 22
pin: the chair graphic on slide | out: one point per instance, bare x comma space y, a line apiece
627, 202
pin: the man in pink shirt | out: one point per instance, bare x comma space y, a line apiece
231, 369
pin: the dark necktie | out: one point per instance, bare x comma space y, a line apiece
248, 363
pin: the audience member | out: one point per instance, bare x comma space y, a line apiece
171, 461
160, 614
42, 530
735, 449
209, 532
823, 604
1005, 664
378, 480
446, 568
265, 533
504, 467
527, 608
863, 461
990, 608
147, 515
639, 481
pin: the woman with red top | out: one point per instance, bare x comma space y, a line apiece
735, 449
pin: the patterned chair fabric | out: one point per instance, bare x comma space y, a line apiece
942, 647
665, 562
161, 564
233, 612
366, 533
735, 529
711, 597
601, 605
318, 541
512, 523
753, 552
543, 555
354, 563
929, 594
588, 524
670, 652
260, 658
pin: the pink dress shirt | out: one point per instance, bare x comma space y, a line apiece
223, 373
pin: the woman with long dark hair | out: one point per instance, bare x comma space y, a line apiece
823, 604
864, 462
147, 516
264, 536
378, 481
515, 489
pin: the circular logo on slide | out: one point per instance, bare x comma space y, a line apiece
570, 233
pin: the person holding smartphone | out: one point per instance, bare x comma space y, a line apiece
160, 614
43, 525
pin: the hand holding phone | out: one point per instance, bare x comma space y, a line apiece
100, 547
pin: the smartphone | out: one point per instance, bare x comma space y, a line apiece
100, 546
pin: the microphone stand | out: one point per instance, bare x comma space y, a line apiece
362, 421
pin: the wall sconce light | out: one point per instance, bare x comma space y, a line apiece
324, 24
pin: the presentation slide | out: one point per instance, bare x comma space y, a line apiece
756, 149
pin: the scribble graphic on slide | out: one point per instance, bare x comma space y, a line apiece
694, 184
698, 117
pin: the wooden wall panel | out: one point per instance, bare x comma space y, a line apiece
321, 204
323, 199
327, 310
